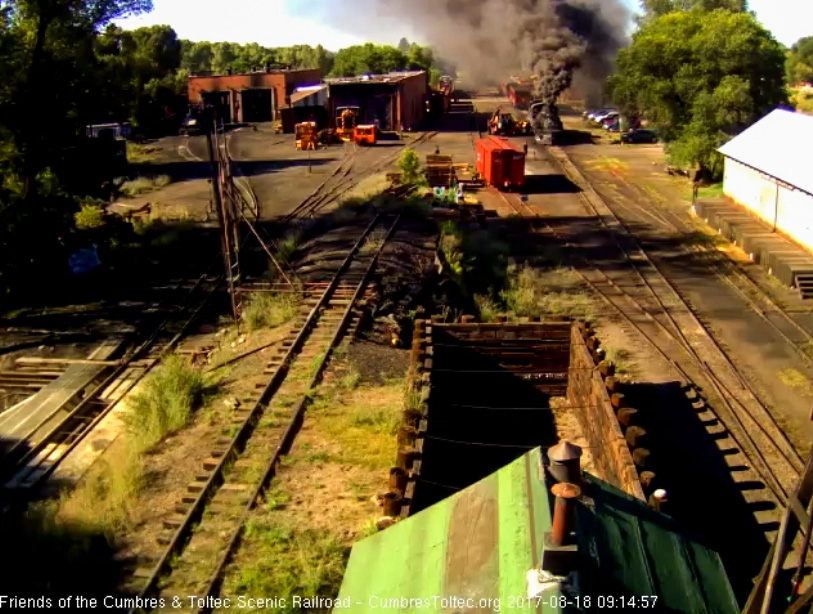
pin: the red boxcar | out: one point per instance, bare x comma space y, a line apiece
501, 163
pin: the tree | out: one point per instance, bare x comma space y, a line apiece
658, 8
800, 61
48, 31
410, 165
196, 57
403, 45
700, 78
368, 59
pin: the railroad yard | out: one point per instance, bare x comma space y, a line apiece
324, 418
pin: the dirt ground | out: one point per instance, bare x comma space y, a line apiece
174, 462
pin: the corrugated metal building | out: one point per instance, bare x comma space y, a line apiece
250, 97
392, 101
484, 545
768, 173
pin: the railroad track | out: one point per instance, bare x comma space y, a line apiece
34, 456
760, 302
196, 547
652, 306
342, 179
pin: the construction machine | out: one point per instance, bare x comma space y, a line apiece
364, 135
346, 120
504, 124
306, 136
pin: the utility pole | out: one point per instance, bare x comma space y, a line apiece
224, 219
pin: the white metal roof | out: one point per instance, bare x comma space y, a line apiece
776, 145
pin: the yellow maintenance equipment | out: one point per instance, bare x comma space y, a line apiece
346, 122
306, 135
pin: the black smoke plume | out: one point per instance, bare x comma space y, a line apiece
489, 40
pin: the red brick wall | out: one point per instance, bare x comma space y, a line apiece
282, 82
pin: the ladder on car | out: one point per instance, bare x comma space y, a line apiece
797, 521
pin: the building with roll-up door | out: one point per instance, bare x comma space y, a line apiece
768, 171
250, 97
392, 101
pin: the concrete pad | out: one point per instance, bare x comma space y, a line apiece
783, 265
758, 246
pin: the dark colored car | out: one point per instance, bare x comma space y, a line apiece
639, 136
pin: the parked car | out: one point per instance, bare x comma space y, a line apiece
613, 126
593, 115
600, 117
639, 136
610, 117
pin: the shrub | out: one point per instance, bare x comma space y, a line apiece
165, 402
267, 310
89, 216
103, 500
556, 293
410, 165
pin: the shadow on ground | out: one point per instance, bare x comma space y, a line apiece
703, 495
481, 417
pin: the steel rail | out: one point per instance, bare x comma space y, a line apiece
758, 458
246, 429
215, 582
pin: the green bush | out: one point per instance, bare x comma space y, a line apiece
165, 402
89, 216
410, 165
267, 310
556, 294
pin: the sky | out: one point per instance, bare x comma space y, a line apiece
279, 23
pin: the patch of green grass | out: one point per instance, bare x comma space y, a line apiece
622, 359
551, 294
797, 381
369, 529
287, 561
104, 499
384, 422
316, 363
138, 154
276, 499
367, 189
268, 309
374, 241
317, 457
361, 423
715, 190
165, 402
144, 185
487, 307
351, 380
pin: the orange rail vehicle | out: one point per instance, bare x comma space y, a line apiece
364, 135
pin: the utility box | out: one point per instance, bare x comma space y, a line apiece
501, 163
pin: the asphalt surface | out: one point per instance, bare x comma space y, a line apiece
630, 176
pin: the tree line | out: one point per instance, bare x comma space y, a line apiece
64, 66
701, 71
